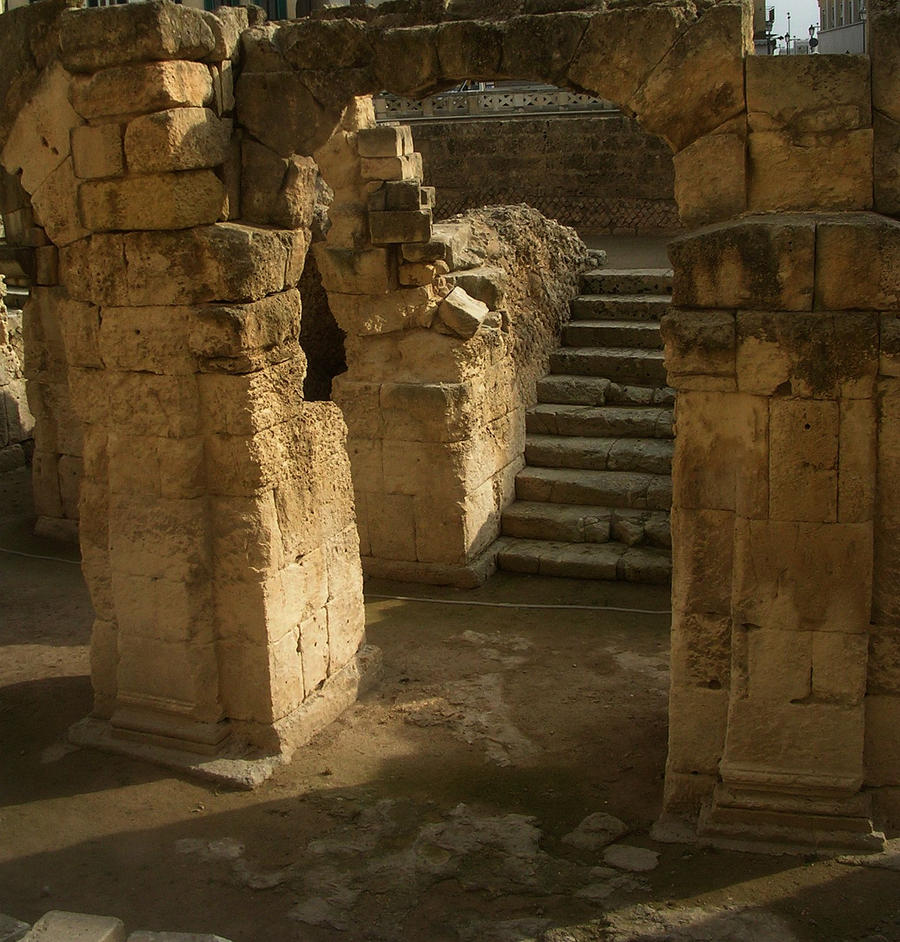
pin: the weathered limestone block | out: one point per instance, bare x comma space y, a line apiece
825, 170
711, 176
858, 263
696, 747
207, 263
803, 457
541, 48
706, 64
279, 110
462, 314
469, 49
701, 650
407, 167
618, 50
80, 329
385, 141
808, 94
884, 660
406, 60
38, 141
721, 459
702, 562
883, 25
350, 272
308, 43
244, 404
227, 24
152, 31
146, 339
817, 745
886, 165
97, 151
231, 336
54, 201
857, 461
142, 88
155, 201
60, 926
699, 343
448, 244
803, 576
28, 44
46, 265
362, 315
177, 139
93, 269
397, 195
397, 227
276, 190
755, 264
817, 355
882, 754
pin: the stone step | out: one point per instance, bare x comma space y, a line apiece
650, 455
581, 523
609, 333
598, 391
637, 490
586, 560
627, 365
620, 307
599, 421
627, 281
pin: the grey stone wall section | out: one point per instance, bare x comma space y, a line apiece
598, 174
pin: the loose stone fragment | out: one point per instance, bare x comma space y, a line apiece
633, 859
57, 926
596, 831
462, 313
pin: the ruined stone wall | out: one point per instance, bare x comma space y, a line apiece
596, 173
448, 329
16, 421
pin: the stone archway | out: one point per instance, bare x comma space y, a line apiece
780, 347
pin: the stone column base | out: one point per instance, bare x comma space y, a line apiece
468, 575
764, 821
208, 751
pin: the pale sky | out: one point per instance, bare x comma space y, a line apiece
804, 13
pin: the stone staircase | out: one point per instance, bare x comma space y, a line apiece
593, 500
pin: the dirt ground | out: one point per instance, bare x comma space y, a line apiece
440, 808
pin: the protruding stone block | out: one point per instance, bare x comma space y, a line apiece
755, 263
462, 314
385, 141
398, 227
858, 263
142, 88
152, 31
408, 167
351, 272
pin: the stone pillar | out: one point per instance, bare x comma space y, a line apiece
217, 525
774, 348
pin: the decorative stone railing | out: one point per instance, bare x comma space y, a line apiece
496, 102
